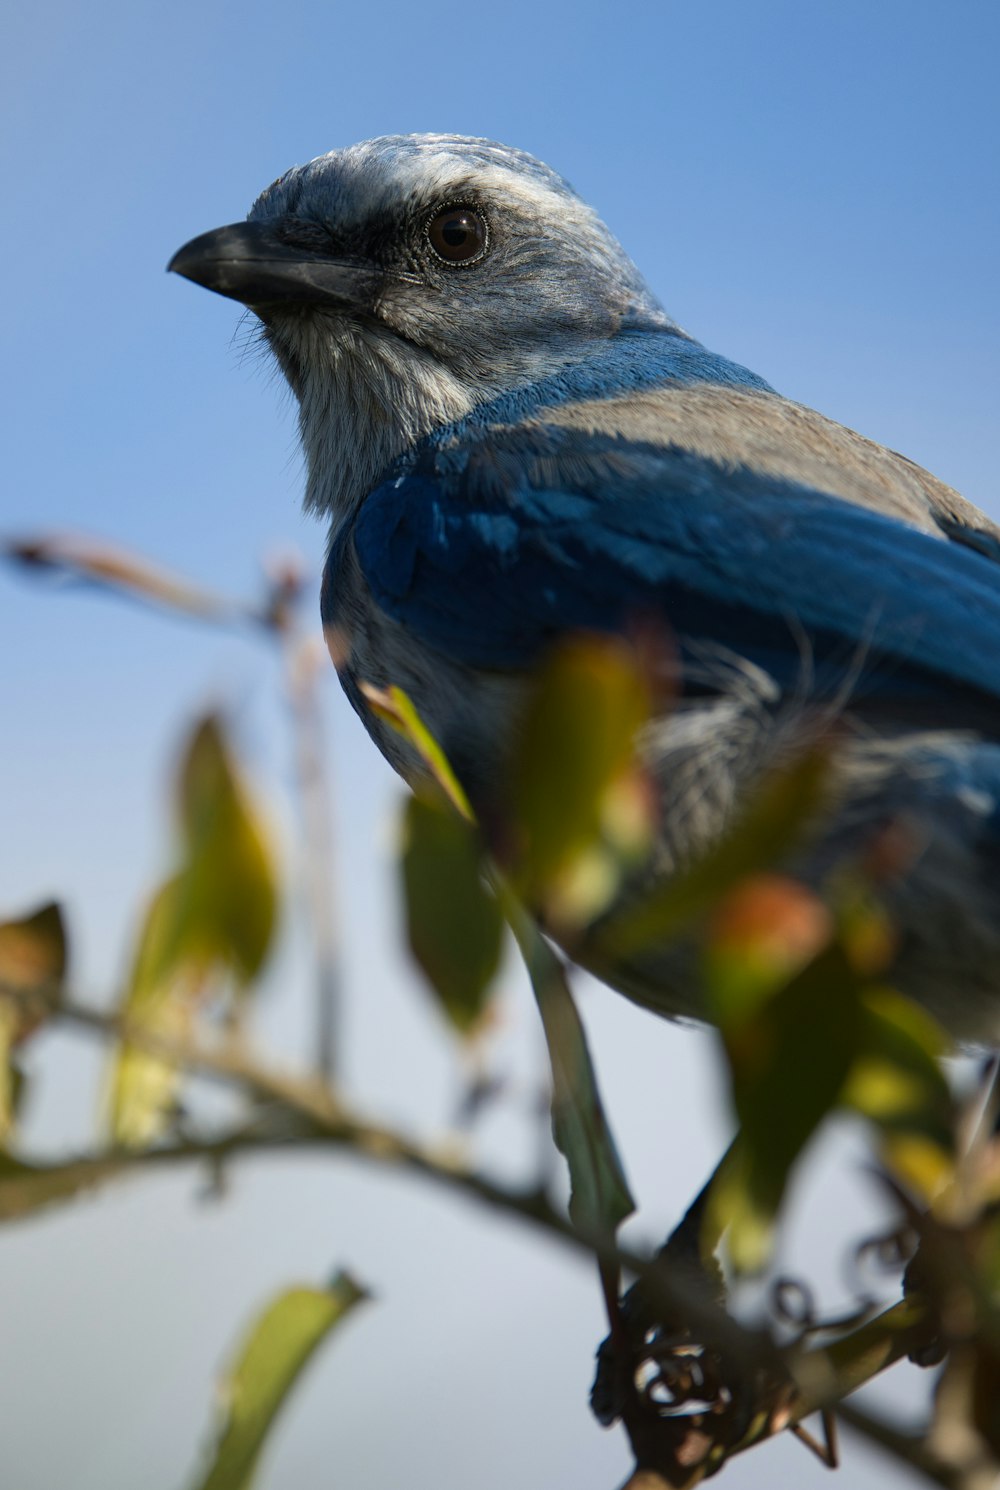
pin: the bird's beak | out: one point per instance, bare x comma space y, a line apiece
253, 263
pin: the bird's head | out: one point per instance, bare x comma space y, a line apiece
403, 281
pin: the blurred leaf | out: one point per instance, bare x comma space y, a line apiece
769, 827
227, 887
26, 1188
160, 994
32, 968
453, 922
789, 1010
762, 934
580, 805
789, 984
397, 709
279, 1346
898, 1084
214, 918
863, 924
599, 1194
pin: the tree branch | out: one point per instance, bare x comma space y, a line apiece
302, 1112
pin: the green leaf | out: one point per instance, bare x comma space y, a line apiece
455, 931
32, 968
436, 852
272, 1357
770, 826
806, 1029
453, 922
227, 887
212, 920
789, 1008
599, 1194
898, 1084
761, 935
27, 1188
160, 996
579, 807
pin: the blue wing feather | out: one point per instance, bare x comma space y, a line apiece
488, 568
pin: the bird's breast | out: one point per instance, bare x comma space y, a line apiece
472, 713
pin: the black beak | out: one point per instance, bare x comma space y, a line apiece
254, 263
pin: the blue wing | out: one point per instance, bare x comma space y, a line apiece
487, 555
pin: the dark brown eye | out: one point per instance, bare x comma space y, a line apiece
458, 235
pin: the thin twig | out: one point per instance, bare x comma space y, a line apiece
300, 655
826, 1373
230, 1063
825, 1449
95, 561
905, 1447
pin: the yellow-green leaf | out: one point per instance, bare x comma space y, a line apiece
453, 922
804, 1031
397, 709
272, 1357
160, 995
789, 1053
209, 925
227, 891
762, 933
898, 1084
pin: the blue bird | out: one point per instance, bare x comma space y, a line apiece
513, 441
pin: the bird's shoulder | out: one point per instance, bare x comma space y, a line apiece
627, 416
677, 499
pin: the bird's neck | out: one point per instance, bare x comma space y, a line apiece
630, 362
367, 399
361, 405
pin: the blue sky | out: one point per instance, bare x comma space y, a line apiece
811, 189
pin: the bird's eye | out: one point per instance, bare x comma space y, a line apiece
458, 235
